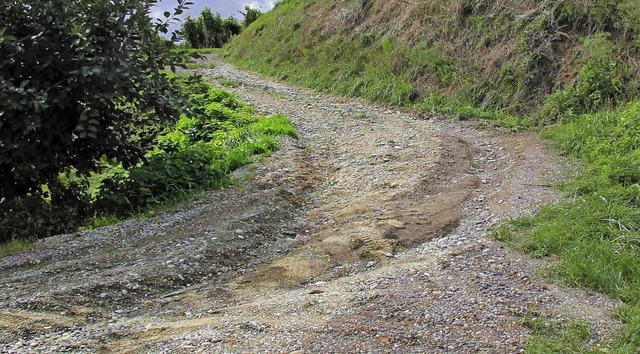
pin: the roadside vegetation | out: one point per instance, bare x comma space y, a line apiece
569, 68
105, 131
514, 63
212, 31
596, 233
214, 135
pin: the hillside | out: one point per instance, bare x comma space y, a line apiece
454, 55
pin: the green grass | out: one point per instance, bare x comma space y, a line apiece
550, 335
14, 246
368, 69
463, 110
476, 62
596, 233
199, 50
100, 221
201, 66
229, 83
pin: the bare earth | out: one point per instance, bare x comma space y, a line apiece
369, 235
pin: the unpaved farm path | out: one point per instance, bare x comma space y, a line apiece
367, 235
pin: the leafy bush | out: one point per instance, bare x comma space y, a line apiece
216, 134
78, 80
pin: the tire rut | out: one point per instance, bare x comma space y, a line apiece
368, 235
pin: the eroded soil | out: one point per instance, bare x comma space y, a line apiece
369, 234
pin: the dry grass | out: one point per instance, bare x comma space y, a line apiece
508, 55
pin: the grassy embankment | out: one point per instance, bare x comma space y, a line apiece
462, 58
570, 67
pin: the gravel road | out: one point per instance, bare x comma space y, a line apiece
368, 235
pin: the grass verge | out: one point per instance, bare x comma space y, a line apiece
14, 246
199, 50
201, 66
596, 233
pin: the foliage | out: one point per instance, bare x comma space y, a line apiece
500, 58
193, 32
597, 232
14, 246
599, 84
215, 134
79, 80
209, 30
249, 16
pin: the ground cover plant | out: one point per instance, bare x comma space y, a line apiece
514, 62
596, 233
215, 134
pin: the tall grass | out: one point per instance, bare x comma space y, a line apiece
460, 58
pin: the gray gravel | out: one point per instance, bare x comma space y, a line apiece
162, 285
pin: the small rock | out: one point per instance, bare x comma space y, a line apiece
395, 223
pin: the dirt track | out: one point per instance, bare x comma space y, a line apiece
368, 235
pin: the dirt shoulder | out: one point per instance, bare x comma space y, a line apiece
367, 235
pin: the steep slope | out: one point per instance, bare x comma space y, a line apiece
505, 55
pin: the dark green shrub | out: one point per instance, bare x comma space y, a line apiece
78, 80
215, 135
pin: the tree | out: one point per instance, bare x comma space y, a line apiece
250, 15
79, 81
213, 29
193, 32
231, 27
209, 30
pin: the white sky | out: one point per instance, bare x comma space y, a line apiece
226, 8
